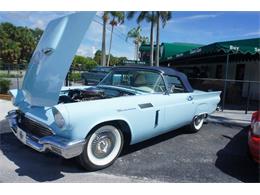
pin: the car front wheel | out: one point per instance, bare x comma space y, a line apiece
102, 148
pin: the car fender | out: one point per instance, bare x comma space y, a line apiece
202, 108
83, 118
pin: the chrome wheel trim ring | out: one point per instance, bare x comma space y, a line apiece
198, 122
104, 145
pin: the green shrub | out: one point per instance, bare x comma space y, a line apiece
75, 76
4, 85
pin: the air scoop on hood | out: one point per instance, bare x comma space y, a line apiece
52, 58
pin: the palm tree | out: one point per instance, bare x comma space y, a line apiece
135, 33
150, 18
163, 17
117, 19
105, 18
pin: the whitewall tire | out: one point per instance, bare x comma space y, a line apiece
102, 147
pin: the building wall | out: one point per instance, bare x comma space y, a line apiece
251, 73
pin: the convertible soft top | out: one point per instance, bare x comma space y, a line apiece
164, 71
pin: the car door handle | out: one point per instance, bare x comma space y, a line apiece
189, 98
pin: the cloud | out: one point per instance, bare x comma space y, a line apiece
256, 33
41, 19
39, 24
193, 18
87, 51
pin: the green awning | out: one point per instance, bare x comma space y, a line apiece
144, 48
246, 46
170, 49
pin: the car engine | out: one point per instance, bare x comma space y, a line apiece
92, 93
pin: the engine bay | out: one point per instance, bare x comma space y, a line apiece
91, 93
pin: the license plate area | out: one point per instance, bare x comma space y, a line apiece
21, 135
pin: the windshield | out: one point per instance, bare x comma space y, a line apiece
141, 80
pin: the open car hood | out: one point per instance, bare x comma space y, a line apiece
52, 59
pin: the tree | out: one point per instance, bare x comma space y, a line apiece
163, 17
83, 63
26, 40
10, 52
150, 18
113, 60
37, 33
105, 18
117, 19
3, 38
135, 33
98, 56
10, 29
17, 43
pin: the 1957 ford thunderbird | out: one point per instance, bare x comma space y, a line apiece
129, 105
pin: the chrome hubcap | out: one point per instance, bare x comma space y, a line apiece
197, 120
103, 144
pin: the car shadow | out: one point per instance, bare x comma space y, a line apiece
41, 167
46, 167
234, 159
153, 141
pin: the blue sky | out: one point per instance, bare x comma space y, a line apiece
192, 27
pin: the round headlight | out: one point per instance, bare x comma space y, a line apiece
59, 120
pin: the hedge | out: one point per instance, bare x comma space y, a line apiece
4, 85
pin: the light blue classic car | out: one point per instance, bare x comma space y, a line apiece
129, 105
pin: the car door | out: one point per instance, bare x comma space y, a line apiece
179, 104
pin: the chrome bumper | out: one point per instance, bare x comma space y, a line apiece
56, 144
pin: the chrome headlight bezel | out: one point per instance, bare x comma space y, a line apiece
13, 100
58, 118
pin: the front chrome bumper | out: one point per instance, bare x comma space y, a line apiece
56, 144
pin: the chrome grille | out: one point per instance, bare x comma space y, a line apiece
32, 127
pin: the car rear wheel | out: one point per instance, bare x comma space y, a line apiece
102, 148
197, 123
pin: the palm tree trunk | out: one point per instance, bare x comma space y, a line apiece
103, 58
137, 51
151, 41
8, 70
157, 39
110, 44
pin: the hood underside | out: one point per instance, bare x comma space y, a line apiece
52, 58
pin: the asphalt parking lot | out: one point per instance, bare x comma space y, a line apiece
218, 153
